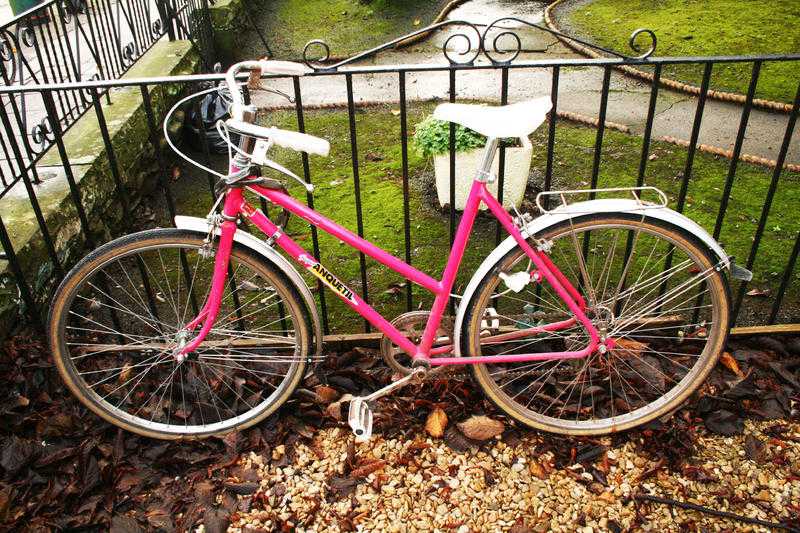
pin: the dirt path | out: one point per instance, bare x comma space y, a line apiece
579, 88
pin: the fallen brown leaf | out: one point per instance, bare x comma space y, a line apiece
125, 374
334, 410
436, 423
754, 449
758, 292
456, 441
730, 363
481, 427
326, 394
379, 481
242, 489
367, 469
628, 347
520, 527
537, 469
607, 497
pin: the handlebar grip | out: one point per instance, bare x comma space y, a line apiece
283, 67
294, 140
300, 142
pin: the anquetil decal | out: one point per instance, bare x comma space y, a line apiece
316, 268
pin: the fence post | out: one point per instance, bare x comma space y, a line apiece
166, 18
351, 114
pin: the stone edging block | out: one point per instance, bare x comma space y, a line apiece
130, 137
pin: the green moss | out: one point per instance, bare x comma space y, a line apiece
348, 26
380, 175
705, 27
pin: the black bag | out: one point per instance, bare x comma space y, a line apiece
212, 109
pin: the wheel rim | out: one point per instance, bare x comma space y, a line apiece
667, 319
123, 320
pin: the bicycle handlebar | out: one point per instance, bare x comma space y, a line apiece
259, 67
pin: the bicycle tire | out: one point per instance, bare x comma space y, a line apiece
128, 248
715, 333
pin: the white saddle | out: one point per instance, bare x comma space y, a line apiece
515, 120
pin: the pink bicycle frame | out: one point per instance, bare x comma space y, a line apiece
235, 205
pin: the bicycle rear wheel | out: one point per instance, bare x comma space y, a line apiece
119, 314
648, 285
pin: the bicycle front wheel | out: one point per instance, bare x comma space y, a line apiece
649, 286
120, 313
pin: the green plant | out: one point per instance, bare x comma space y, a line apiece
432, 137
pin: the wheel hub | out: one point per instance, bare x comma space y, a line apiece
181, 340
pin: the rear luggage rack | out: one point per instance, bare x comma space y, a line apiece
636, 192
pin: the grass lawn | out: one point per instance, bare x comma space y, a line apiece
382, 200
348, 26
705, 27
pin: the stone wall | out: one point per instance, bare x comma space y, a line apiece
89, 163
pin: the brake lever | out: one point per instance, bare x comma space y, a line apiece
269, 163
278, 92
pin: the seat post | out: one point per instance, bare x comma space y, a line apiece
485, 168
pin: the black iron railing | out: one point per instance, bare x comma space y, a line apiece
475, 57
71, 41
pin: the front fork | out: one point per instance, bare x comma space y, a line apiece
230, 216
208, 314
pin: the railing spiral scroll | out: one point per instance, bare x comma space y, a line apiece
499, 44
466, 56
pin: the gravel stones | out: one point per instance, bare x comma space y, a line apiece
423, 485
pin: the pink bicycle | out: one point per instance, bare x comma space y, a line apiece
592, 318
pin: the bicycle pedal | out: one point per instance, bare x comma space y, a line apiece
359, 417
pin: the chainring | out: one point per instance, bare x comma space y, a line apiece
412, 325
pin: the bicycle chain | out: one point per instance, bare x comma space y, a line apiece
447, 373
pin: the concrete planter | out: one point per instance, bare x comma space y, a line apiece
518, 165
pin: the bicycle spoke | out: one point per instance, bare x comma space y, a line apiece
656, 340
129, 366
